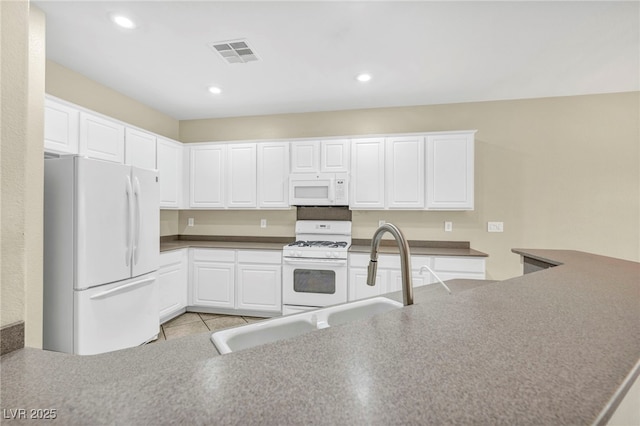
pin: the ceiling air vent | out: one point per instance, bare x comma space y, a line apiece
235, 51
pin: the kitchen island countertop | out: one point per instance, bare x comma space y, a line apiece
551, 347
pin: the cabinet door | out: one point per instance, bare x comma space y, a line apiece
140, 149
334, 156
241, 176
170, 173
273, 175
305, 156
417, 279
213, 278
404, 172
259, 287
101, 138
367, 174
60, 128
358, 288
206, 176
449, 268
450, 168
172, 283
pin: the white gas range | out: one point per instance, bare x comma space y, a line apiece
315, 265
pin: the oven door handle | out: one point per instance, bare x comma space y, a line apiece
311, 262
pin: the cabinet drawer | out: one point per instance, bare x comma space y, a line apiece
214, 255
458, 264
169, 258
384, 260
260, 256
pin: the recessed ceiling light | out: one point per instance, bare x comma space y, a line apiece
123, 21
215, 90
363, 78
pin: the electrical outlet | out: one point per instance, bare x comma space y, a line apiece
190, 222
448, 226
381, 222
495, 226
263, 223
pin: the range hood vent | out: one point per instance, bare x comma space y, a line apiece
234, 51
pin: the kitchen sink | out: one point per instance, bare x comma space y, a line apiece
273, 330
348, 312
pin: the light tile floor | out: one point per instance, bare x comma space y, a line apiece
192, 323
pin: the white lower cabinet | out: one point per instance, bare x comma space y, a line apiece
259, 280
389, 275
173, 278
213, 278
450, 267
246, 281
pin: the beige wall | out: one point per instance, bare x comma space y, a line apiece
559, 172
23, 59
71, 86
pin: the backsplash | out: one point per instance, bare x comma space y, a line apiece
237, 222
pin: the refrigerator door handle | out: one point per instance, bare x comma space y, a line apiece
122, 288
136, 244
129, 192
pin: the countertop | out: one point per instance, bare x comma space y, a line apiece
551, 347
426, 248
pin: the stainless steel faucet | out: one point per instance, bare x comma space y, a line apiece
405, 260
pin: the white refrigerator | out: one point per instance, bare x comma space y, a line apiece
101, 254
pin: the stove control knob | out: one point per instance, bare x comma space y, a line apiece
328, 254
299, 253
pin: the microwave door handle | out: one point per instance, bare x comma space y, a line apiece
332, 189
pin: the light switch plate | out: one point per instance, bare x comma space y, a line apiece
448, 226
263, 223
495, 226
190, 221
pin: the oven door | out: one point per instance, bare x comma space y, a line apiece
314, 282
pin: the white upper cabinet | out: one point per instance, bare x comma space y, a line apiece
367, 174
206, 175
169, 162
140, 149
404, 172
101, 138
241, 176
273, 175
305, 156
334, 156
60, 128
328, 156
450, 169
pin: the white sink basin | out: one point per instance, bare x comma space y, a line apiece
248, 336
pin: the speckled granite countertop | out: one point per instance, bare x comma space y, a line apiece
551, 347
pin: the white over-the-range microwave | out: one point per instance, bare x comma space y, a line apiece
319, 189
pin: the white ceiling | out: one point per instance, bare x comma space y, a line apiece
419, 52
